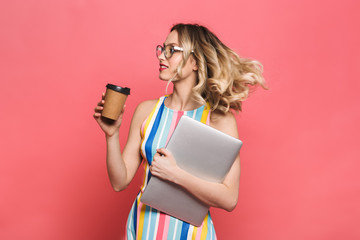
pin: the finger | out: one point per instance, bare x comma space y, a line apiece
98, 108
154, 161
101, 103
103, 95
123, 109
153, 173
163, 151
96, 115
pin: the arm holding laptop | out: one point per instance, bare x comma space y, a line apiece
221, 195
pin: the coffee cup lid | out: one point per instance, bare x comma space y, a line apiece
123, 90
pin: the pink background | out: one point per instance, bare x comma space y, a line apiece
300, 158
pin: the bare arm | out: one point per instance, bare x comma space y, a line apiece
122, 166
221, 195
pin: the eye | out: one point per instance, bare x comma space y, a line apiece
168, 49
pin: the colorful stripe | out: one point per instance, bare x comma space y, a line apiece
145, 222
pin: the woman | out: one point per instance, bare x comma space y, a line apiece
209, 79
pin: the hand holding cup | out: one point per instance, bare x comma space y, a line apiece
109, 111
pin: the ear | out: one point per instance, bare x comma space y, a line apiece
194, 64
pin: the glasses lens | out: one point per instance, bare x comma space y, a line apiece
168, 51
158, 50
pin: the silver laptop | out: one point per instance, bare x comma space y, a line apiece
202, 151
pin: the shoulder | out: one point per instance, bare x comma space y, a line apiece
146, 105
144, 109
225, 123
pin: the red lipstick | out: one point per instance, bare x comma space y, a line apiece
162, 67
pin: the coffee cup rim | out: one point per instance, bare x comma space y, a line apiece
123, 90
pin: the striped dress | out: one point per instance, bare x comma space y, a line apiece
145, 222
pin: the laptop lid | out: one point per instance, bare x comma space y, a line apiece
202, 151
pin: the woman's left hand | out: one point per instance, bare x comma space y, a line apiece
164, 165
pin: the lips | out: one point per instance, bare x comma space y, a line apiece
162, 67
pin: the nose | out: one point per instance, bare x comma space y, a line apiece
161, 56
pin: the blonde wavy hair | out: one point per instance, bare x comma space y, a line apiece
223, 78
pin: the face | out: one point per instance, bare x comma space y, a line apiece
168, 67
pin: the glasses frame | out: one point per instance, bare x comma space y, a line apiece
173, 49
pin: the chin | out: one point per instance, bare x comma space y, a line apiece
164, 78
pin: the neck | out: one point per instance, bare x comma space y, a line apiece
181, 98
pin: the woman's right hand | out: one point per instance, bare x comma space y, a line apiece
109, 127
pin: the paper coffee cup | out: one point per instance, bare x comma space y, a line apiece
115, 98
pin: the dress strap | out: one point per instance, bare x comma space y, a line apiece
149, 119
150, 126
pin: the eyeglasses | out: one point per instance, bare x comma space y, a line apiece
168, 50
